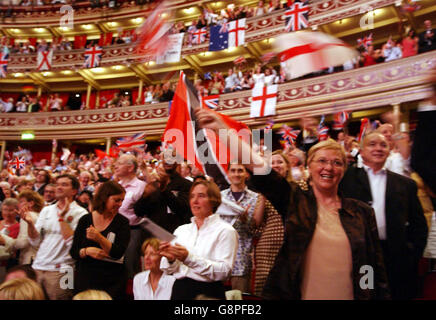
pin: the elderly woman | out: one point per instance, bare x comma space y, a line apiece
205, 249
31, 202
100, 241
153, 283
331, 243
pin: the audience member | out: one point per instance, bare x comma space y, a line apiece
427, 38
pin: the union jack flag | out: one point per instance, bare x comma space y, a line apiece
131, 143
93, 57
211, 102
17, 163
4, 58
289, 134
269, 125
199, 36
323, 130
239, 60
339, 120
297, 17
365, 41
364, 124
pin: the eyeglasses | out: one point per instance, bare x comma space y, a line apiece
335, 163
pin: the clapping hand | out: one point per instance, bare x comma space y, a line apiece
244, 215
173, 252
93, 234
66, 208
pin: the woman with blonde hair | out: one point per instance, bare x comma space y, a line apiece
153, 283
92, 295
327, 239
21, 289
31, 202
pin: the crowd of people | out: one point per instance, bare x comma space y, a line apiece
339, 205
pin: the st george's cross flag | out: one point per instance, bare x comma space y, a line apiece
44, 59
201, 147
199, 36
304, 52
263, 101
297, 17
4, 59
93, 57
236, 30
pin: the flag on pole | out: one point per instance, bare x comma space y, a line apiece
236, 33
269, 125
44, 59
130, 143
323, 130
93, 57
263, 101
304, 52
364, 124
288, 134
17, 163
339, 120
297, 17
201, 147
153, 33
239, 60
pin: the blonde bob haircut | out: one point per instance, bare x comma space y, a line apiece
328, 144
92, 295
152, 242
213, 192
21, 289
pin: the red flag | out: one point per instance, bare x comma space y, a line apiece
199, 146
100, 154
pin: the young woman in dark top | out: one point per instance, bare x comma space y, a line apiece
99, 243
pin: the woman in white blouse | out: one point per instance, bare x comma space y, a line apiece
153, 283
205, 249
258, 76
31, 202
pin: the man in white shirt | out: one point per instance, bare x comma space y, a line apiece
125, 170
401, 224
232, 82
8, 106
53, 234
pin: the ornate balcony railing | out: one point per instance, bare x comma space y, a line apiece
258, 28
379, 85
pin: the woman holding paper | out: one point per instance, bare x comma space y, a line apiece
205, 249
331, 243
100, 241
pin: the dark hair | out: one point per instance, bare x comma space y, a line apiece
47, 175
107, 189
89, 193
74, 182
26, 268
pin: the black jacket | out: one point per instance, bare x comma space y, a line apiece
175, 197
406, 227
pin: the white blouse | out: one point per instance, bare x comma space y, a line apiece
212, 250
142, 287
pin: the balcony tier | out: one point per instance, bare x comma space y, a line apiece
379, 85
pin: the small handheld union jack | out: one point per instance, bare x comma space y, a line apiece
365, 41
340, 119
323, 130
17, 163
269, 125
131, 143
289, 134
